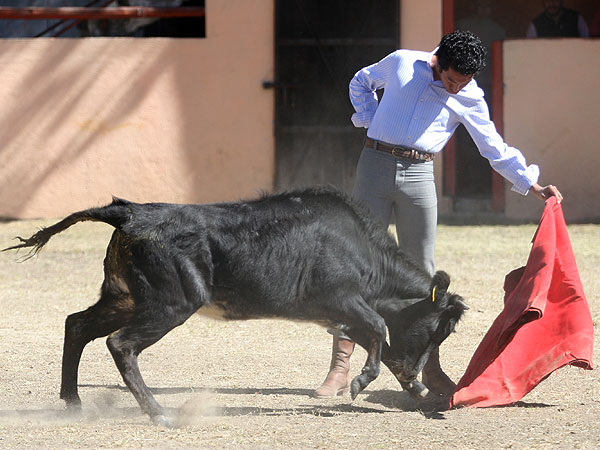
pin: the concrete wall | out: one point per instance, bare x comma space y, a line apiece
181, 120
551, 100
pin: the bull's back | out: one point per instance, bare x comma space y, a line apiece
261, 258
285, 252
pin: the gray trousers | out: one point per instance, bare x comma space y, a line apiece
385, 185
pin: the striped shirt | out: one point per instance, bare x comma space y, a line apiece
416, 111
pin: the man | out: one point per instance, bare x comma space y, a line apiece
427, 95
557, 21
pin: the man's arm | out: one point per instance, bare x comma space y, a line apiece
507, 161
531, 31
582, 27
363, 87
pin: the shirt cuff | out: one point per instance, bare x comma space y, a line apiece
528, 178
362, 119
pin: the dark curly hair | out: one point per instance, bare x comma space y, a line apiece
462, 51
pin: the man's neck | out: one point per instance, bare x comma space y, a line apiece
435, 67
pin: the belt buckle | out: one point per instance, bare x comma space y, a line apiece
398, 152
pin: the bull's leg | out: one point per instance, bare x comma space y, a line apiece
126, 344
434, 377
167, 290
101, 319
125, 349
367, 328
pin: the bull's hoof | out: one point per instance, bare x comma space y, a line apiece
439, 383
73, 412
416, 389
163, 421
357, 386
73, 405
354, 389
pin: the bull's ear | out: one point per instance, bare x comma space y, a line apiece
439, 285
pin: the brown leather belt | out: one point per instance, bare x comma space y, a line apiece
399, 151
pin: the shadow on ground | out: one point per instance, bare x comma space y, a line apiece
392, 401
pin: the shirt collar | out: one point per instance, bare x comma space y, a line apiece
427, 57
430, 55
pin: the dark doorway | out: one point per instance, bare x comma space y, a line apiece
473, 172
320, 45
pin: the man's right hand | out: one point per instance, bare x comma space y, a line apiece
546, 191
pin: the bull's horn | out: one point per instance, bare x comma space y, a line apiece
462, 304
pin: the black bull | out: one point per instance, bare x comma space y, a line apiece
310, 255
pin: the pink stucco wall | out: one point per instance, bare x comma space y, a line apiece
187, 120
178, 120
420, 24
551, 100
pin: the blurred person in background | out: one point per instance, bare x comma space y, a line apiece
557, 21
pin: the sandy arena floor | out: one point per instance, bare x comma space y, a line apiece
248, 384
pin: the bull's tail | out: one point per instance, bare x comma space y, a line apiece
115, 214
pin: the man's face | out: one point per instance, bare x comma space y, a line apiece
552, 7
454, 81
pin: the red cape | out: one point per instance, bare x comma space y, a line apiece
546, 323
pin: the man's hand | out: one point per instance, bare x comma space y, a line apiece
546, 191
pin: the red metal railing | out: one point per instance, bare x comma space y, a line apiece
83, 13
90, 11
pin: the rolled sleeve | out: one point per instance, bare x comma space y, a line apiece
362, 119
528, 178
362, 90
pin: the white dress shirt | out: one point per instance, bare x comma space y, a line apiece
416, 111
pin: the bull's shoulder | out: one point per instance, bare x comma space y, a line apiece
318, 196
336, 211
318, 203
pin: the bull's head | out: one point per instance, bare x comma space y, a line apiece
416, 330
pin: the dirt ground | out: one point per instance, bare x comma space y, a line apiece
248, 384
